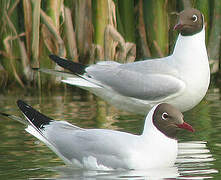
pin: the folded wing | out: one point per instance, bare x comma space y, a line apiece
149, 80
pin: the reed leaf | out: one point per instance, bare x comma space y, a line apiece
7, 46
11, 58
172, 21
98, 52
54, 8
49, 40
28, 25
35, 30
145, 51
111, 32
109, 53
204, 7
13, 7
100, 9
54, 36
214, 43
3, 77
156, 21
25, 62
70, 35
9, 50
51, 27
130, 51
126, 11
83, 28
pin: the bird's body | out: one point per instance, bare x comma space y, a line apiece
181, 79
105, 149
108, 149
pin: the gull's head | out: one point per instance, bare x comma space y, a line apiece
190, 22
168, 120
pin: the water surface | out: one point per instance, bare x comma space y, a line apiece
24, 157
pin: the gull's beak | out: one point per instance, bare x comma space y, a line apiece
185, 126
178, 26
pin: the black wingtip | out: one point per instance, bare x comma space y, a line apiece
37, 119
20, 103
74, 67
53, 57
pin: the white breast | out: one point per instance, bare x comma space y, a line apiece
191, 60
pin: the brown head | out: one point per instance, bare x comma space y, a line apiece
168, 120
190, 22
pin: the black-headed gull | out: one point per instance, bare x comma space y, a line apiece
105, 149
181, 79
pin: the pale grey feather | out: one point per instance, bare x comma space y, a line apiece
146, 80
75, 143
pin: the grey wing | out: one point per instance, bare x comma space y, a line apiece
96, 143
160, 65
129, 81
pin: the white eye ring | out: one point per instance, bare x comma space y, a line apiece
165, 116
194, 18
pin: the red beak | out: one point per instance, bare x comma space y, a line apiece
186, 126
178, 26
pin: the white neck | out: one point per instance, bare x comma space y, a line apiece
150, 129
185, 42
148, 125
154, 142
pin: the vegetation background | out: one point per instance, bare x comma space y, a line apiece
88, 31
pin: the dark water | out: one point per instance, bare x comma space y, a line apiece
24, 157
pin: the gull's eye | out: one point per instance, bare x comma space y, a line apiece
165, 116
194, 18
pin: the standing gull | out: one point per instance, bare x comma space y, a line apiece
181, 79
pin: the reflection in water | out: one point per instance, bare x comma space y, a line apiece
69, 173
194, 162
